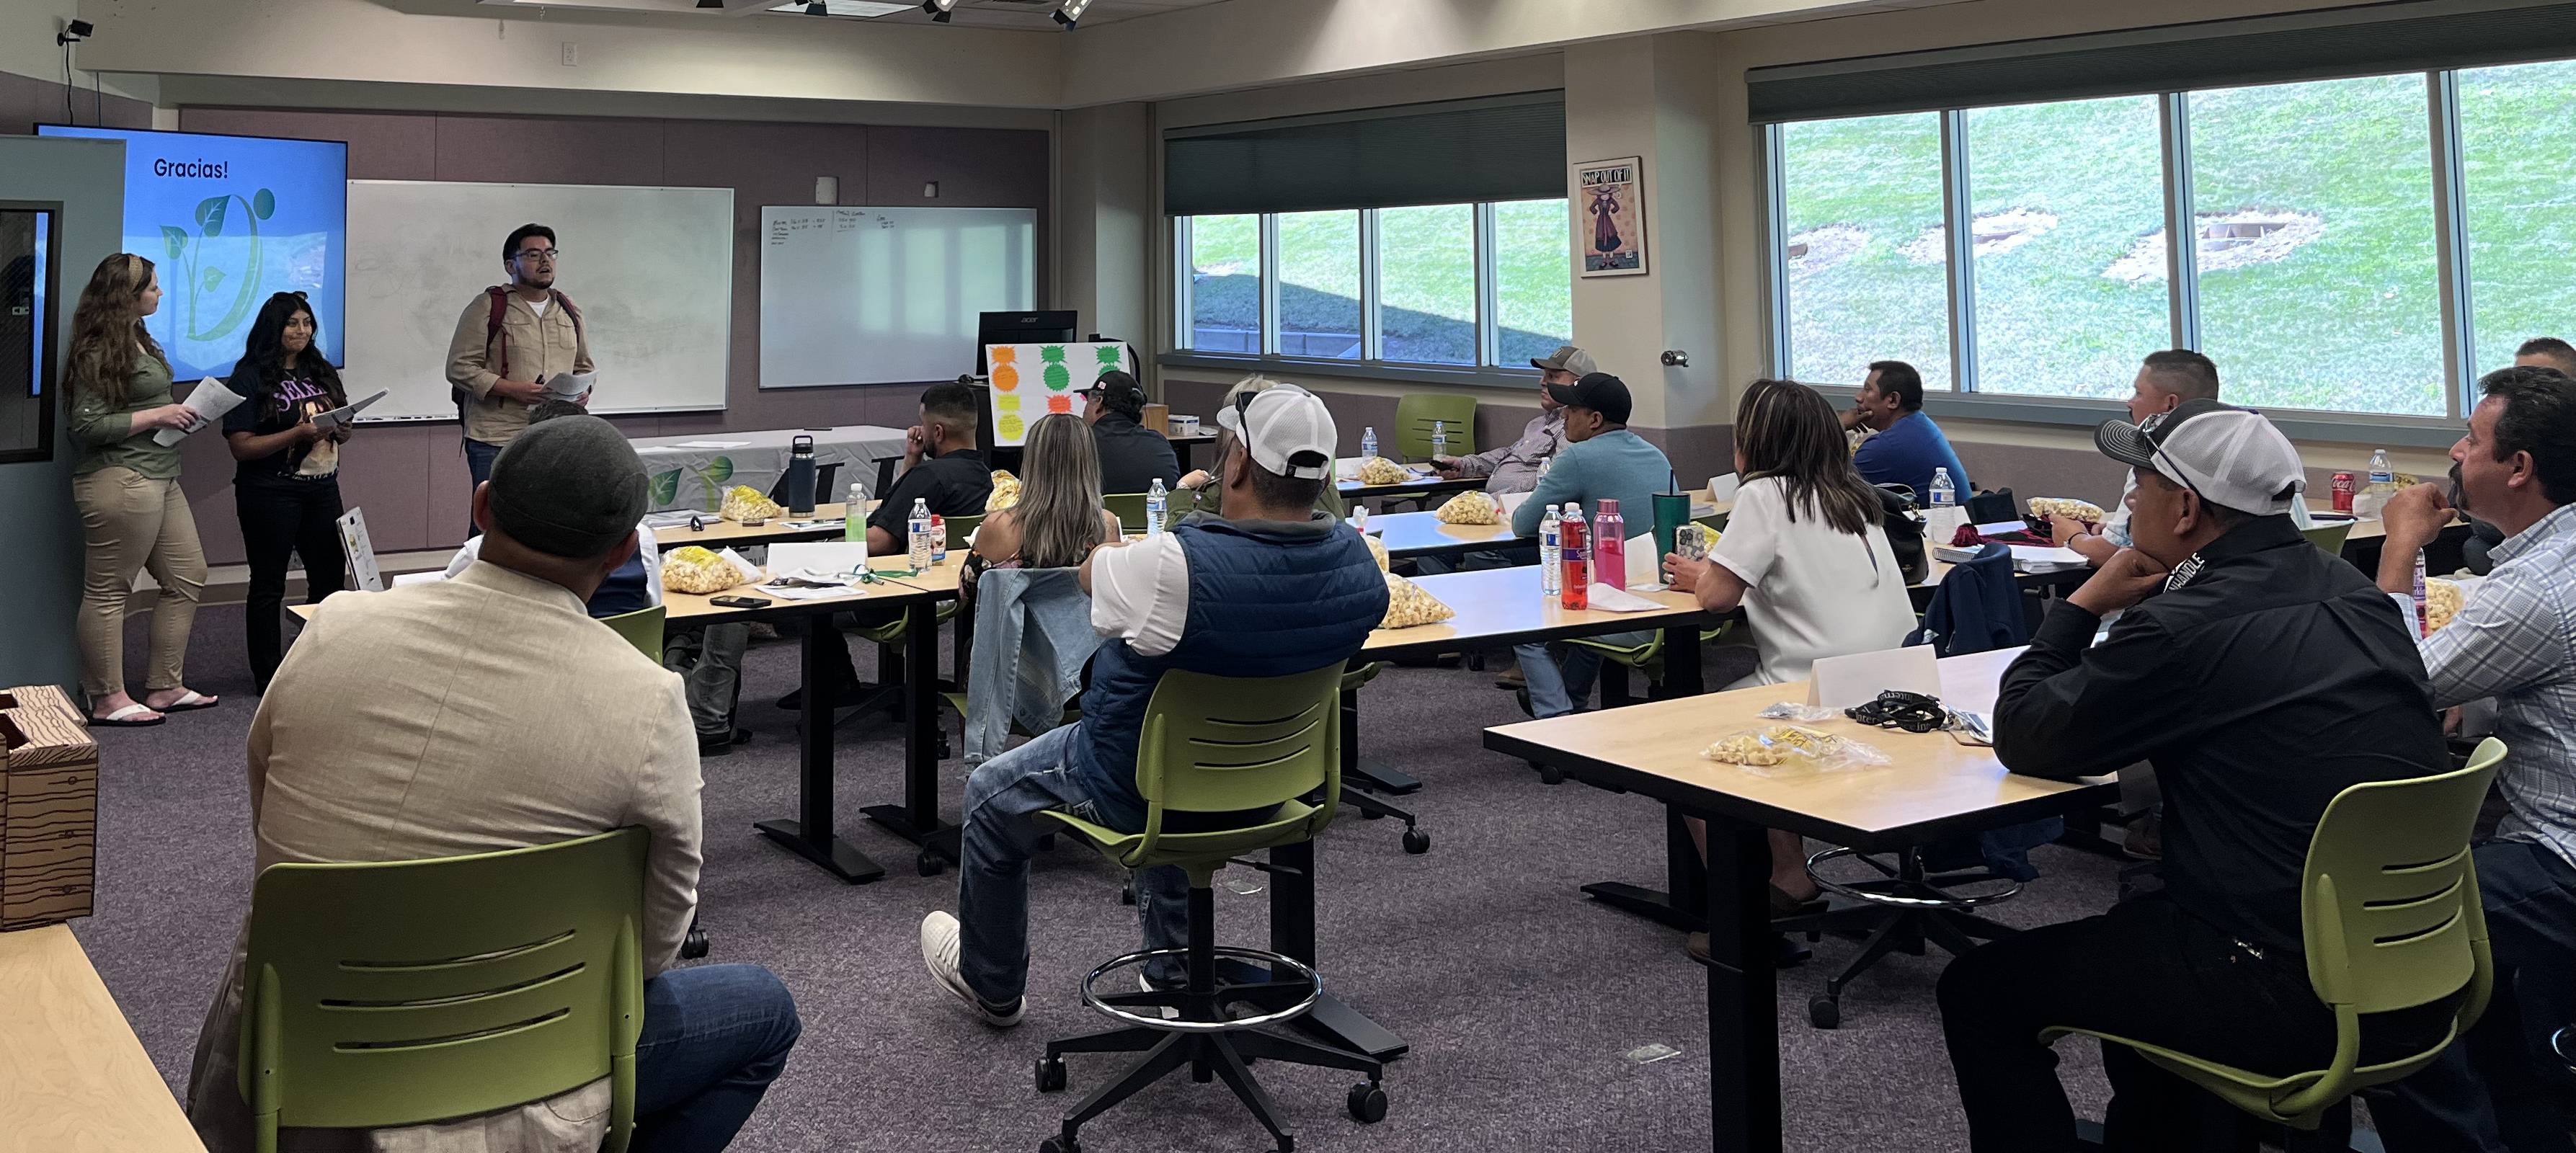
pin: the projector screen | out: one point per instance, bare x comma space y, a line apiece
229, 221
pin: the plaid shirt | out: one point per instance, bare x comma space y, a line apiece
2515, 640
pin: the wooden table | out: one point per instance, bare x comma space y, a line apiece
73, 1077
1417, 534
719, 533
810, 834
1934, 788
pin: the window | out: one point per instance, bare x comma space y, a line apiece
1319, 285
1427, 277
2312, 224
2519, 204
1224, 309
1446, 286
2315, 212
1533, 280
2066, 208
1861, 242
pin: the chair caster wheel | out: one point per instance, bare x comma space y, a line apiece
1127, 893
1050, 1075
929, 864
1368, 1103
1549, 774
1824, 1013
695, 945
1058, 1145
1417, 842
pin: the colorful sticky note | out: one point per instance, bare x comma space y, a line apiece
1051, 353
1012, 428
1059, 404
1003, 353
1109, 355
1058, 378
1005, 377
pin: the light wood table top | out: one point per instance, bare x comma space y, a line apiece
1933, 786
73, 1077
1407, 534
724, 533
1503, 606
940, 583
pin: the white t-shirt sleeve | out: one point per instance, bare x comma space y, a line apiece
465, 555
1140, 593
651, 552
1751, 543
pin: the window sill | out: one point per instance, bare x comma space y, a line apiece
2298, 424
1292, 367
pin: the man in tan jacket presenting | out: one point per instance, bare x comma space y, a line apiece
509, 342
486, 712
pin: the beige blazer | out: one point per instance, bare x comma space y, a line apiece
539, 347
461, 716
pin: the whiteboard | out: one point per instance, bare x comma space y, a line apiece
650, 268
886, 295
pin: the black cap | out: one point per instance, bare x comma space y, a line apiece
1119, 391
1600, 392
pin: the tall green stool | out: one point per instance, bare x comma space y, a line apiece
2390, 919
2329, 537
402, 992
1225, 765
1415, 413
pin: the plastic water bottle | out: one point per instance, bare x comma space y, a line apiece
1368, 442
854, 514
1576, 589
1610, 546
919, 536
2375, 492
1545, 463
1551, 579
1945, 492
1155, 501
1439, 439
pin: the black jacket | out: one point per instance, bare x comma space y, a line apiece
1131, 455
2265, 677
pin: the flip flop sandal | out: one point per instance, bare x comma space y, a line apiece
189, 703
124, 719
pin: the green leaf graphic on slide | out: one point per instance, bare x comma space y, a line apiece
715, 474
666, 487
213, 213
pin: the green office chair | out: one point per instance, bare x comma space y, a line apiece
1129, 507
642, 629
2391, 919
403, 992
2329, 537
1216, 751
960, 528
1413, 417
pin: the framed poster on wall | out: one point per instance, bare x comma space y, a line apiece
1610, 230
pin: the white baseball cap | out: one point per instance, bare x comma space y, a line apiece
2232, 457
1291, 433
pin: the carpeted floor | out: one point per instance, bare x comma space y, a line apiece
1519, 996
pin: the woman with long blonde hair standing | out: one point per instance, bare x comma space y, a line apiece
126, 484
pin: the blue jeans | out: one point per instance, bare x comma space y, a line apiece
1555, 689
1003, 799
714, 1037
478, 464
2500, 1086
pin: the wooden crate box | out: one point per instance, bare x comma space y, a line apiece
48, 809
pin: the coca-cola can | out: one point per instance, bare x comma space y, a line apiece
2343, 487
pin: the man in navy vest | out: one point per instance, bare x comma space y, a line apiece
1276, 589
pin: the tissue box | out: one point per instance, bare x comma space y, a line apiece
48, 809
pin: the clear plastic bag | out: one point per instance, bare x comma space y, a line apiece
1794, 711
1791, 750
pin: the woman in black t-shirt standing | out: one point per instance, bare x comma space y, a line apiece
286, 475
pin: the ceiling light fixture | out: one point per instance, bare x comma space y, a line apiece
941, 11
1071, 11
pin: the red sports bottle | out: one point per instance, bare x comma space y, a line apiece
1610, 545
1578, 573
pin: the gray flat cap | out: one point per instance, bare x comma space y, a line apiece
568, 487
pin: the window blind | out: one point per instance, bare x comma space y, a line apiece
1500, 148
2403, 36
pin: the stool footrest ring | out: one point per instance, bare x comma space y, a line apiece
1292, 975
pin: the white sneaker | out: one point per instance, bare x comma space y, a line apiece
939, 951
